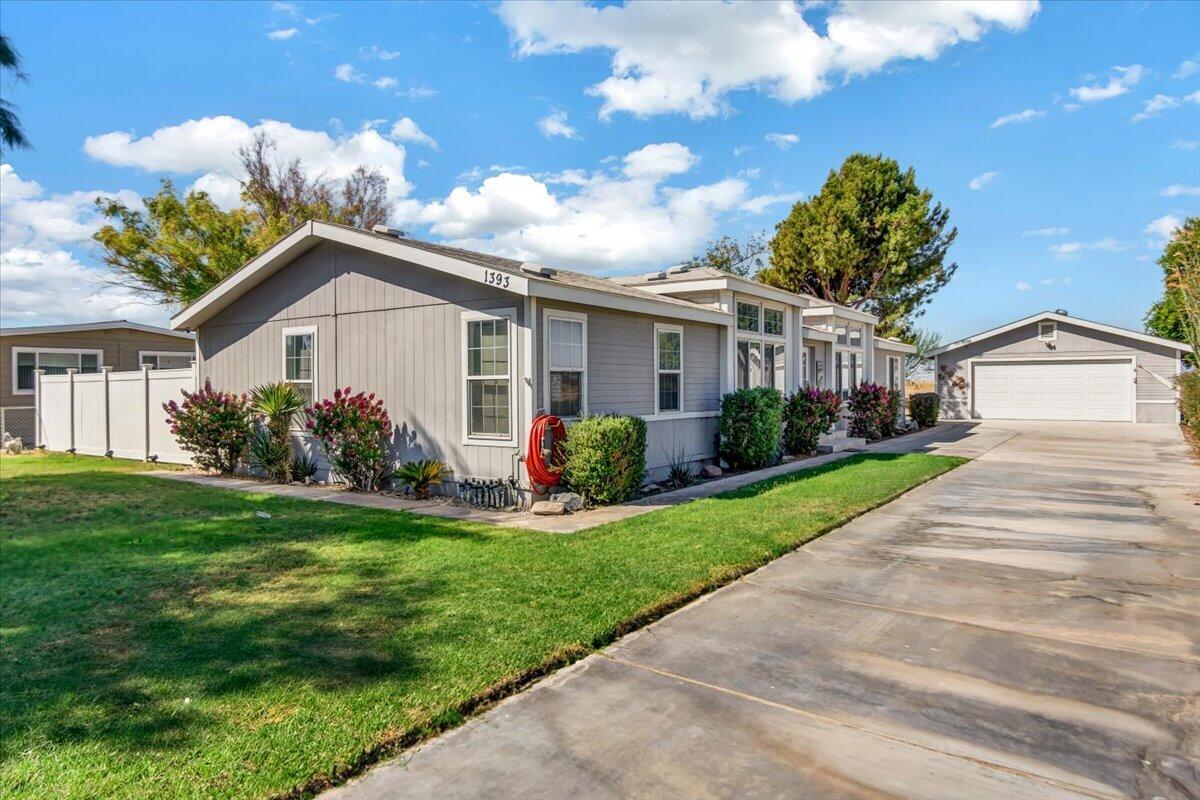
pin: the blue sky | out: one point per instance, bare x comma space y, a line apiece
621, 139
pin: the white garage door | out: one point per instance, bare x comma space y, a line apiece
1088, 390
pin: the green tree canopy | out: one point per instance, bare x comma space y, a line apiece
871, 239
1177, 315
735, 257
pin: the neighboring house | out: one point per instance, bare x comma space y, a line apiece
466, 348
86, 347
1054, 366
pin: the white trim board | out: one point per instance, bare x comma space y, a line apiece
1060, 318
33, 330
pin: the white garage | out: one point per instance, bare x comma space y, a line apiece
1058, 367
1082, 390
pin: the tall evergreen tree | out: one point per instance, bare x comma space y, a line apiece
11, 133
1177, 315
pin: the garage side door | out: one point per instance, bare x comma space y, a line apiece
1066, 390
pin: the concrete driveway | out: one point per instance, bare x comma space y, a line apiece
1025, 626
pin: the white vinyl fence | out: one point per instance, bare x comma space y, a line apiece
108, 413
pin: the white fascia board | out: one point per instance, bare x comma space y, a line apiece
818, 334
636, 305
83, 327
893, 346
733, 282
1082, 323
674, 287
841, 312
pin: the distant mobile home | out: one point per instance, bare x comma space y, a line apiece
466, 349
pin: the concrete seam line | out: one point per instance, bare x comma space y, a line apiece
868, 731
956, 621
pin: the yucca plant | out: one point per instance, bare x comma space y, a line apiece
422, 475
277, 404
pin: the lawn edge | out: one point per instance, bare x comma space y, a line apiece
390, 745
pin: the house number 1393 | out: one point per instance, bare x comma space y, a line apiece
493, 278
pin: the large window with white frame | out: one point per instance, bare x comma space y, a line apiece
748, 316
774, 366
566, 363
300, 361
487, 374
894, 373
52, 361
160, 359
668, 368
760, 348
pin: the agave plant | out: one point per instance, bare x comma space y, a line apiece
422, 475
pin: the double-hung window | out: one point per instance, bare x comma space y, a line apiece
668, 358
488, 375
300, 361
164, 360
52, 361
566, 363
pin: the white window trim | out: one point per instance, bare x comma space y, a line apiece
35, 350
658, 326
465, 405
572, 316
762, 316
899, 373
776, 363
156, 353
1053, 337
862, 336
757, 304
297, 331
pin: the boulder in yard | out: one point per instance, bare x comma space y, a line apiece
548, 508
711, 471
651, 488
570, 500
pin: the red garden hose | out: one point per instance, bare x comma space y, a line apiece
543, 460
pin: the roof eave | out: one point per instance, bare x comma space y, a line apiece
1083, 323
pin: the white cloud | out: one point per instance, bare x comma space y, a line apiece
282, 34
30, 219
1186, 69
1194, 97
50, 286
418, 93
1046, 232
1027, 115
1022, 286
348, 74
406, 130
741, 148
1179, 189
759, 204
377, 52
782, 140
1067, 249
1163, 228
1046, 281
1155, 106
209, 145
384, 83
1185, 144
730, 47
1070, 250
589, 221
980, 181
555, 124
1118, 84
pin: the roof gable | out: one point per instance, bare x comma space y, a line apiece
1063, 318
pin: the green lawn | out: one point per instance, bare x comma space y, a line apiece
159, 639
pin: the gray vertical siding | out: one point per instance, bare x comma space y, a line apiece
383, 326
1150, 359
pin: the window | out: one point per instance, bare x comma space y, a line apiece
488, 375
747, 316
804, 362
299, 361
1047, 331
749, 363
772, 322
893, 373
164, 360
774, 366
566, 363
856, 370
840, 330
840, 377
669, 367
856, 337
53, 362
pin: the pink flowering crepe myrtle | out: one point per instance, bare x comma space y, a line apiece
355, 432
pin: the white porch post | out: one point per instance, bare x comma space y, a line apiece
728, 345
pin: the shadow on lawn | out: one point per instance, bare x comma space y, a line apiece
181, 594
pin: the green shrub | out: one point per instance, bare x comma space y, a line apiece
605, 458
213, 426
421, 476
355, 432
750, 427
806, 415
277, 404
923, 408
868, 404
1189, 399
889, 421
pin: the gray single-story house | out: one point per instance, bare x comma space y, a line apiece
466, 349
1054, 366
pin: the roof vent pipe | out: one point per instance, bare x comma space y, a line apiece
1062, 312
538, 269
384, 230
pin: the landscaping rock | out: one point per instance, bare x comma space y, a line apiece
711, 471
548, 508
570, 500
651, 488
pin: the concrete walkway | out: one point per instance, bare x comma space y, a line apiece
954, 438
1027, 625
